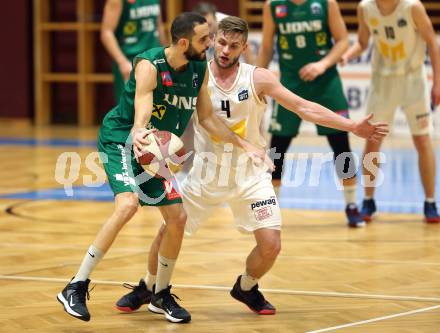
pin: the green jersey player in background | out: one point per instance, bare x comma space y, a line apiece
128, 28
307, 61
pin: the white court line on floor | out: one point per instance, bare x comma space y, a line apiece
334, 328
273, 291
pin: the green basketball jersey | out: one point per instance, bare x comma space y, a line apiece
137, 28
174, 98
303, 35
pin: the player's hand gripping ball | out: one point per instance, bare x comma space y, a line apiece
164, 155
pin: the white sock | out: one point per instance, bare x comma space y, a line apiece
350, 194
150, 280
91, 259
165, 269
430, 200
247, 282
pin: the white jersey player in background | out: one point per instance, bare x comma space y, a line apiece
237, 91
401, 31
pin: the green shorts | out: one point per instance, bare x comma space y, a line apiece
123, 173
325, 90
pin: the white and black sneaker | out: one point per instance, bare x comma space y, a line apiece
73, 298
164, 303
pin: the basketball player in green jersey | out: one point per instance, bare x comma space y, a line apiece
165, 87
307, 61
128, 28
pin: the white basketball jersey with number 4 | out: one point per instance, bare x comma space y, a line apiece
239, 107
398, 46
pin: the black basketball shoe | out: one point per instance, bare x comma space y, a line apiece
164, 302
368, 210
134, 299
73, 298
253, 298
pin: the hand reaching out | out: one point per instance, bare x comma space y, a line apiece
371, 131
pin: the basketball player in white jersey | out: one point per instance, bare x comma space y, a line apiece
237, 92
401, 31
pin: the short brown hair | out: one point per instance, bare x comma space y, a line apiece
183, 26
234, 24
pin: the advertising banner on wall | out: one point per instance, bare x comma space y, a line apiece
356, 81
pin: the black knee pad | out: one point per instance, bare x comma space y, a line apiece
345, 164
281, 144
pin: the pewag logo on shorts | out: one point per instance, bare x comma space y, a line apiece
262, 210
271, 201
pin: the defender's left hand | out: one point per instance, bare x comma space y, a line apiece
370, 131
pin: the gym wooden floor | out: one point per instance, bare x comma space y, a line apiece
382, 278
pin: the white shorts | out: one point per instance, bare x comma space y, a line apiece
410, 92
253, 202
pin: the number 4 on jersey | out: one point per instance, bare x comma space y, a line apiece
226, 107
